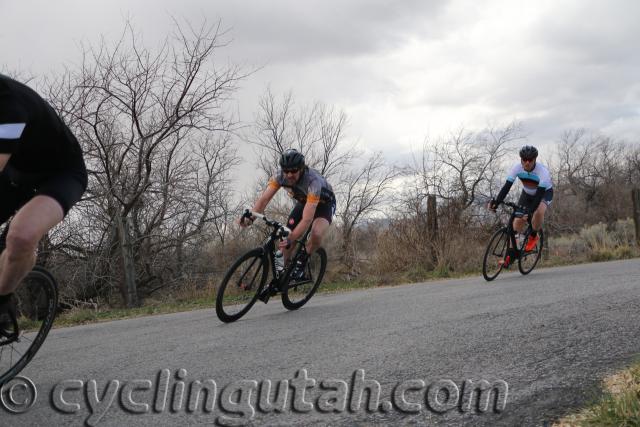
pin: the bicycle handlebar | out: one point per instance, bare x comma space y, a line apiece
284, 230
516, 207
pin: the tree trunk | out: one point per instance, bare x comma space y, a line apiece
348, 255
432, 216
432, 228
129, 289
179, 270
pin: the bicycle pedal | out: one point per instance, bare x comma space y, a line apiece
264, 297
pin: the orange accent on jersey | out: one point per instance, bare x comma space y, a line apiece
273, 184
312, 198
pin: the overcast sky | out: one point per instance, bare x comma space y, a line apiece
401, 70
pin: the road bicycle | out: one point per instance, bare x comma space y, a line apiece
36, 302
246, 280
505, 248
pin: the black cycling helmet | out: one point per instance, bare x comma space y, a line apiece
528, 152
291, 159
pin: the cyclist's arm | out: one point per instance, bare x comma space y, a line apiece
504, 191
308, 213
4, 158
543, 186
261, 204
537, 198
313, 198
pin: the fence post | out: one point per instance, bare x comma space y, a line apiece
432, 226
635, 196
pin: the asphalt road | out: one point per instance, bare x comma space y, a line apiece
550, 336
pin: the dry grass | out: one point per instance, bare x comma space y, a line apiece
620, 405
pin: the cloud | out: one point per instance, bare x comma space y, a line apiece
311, 31
401, 70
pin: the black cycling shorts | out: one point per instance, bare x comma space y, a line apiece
323, 210
526, 200
66, 187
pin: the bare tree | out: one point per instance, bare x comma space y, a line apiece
365, 192
592, 170
316, 131
155, 133
463, 162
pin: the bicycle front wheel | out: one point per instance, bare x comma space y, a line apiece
528, 260
300, 291
36, 301
241, 285
495, 253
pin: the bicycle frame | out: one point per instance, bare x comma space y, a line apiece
278, 231
517, 212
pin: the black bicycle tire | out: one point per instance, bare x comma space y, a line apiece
228, 318
497, 234
290, 305
538, 256
51, 288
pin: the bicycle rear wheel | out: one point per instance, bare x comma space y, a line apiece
528, 260
36, 300
241, 285
495, 253
301, 291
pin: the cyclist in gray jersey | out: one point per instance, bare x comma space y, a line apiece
315, 201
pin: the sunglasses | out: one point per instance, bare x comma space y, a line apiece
290, 171
528, 160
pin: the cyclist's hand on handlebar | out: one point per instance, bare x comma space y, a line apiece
245, 220
492, 205
284, 244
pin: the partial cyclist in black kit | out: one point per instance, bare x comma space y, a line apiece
42, 175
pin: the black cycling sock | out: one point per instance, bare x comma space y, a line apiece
5, 298
534, 233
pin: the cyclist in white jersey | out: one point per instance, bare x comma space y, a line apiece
537, 192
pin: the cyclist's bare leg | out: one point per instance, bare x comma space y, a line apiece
27, 227
538, 216
318, 230
319, 227
519, 224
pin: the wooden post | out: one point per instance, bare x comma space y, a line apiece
635, 196
432, 226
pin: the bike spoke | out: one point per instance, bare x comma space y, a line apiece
238, 290
16, 351
299, 292
528, 260
240, 281
35, 302
23, 336
495, 254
